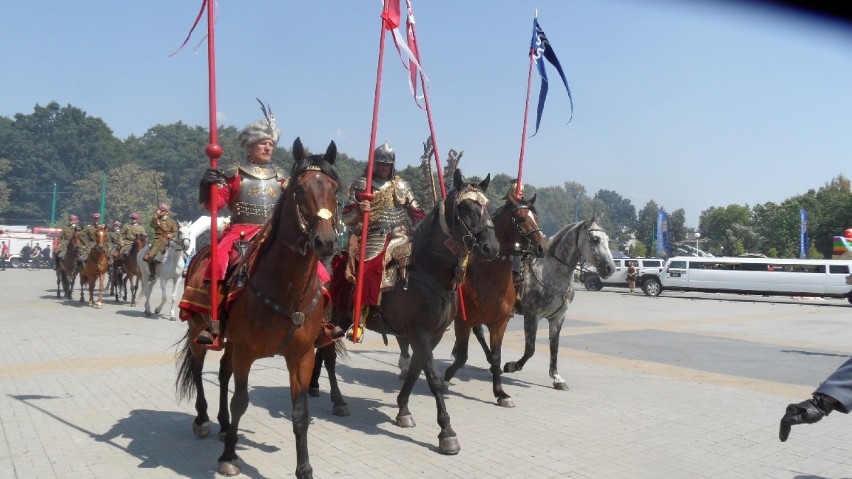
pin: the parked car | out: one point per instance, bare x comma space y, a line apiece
648, 267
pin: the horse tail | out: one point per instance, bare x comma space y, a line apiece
342, 352
184, 384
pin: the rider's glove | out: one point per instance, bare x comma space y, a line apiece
210, 177
806, 412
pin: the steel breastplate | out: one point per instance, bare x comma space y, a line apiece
259, 192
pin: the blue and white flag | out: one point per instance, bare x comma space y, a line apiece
803, 233
540, 46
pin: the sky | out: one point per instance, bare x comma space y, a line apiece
688, 103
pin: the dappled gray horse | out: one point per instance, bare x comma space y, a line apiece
548, 287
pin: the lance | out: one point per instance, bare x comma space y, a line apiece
368, 189
214, 152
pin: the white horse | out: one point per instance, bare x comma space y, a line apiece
171, 269
202, 225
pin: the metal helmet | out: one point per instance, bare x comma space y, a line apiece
164, 207
384, 154
96, 216
134, 216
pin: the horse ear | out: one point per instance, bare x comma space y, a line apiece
532, 200
484, 184
331, 153
298, 150
458, 181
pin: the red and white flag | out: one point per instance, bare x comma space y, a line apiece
407, 49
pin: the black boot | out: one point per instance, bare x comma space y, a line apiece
806, 412
153, 269
207, 337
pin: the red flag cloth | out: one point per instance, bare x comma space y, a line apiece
391, 14
411, 36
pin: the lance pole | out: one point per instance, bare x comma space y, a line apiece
368, 191
214, 152
526, 115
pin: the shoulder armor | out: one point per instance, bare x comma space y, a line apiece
402, 190
261, 172
230, 171
280, 173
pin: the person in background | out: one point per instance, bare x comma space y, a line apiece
165, 228
35, 257
632, 274
4, 254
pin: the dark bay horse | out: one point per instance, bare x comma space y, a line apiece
279, 312
457, 229
95, 268
488, 290
130, 265
548, 287
66, 267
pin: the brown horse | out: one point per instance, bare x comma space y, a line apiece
489, 292
279, 312
66, 267
130, 265
95, 268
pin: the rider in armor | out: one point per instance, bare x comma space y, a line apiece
393, 215
68, 230
250, 190
128, 234
165, 228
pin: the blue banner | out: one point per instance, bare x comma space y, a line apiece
664, 244
540, 47
803, 234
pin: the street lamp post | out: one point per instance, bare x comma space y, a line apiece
697, 237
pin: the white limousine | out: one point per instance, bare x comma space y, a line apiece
766, 276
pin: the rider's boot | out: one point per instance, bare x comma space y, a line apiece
806, 412
152, 267
241, 245
403, 271
210, 338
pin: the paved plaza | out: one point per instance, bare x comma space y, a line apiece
680, 386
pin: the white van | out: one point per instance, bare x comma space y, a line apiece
647, 267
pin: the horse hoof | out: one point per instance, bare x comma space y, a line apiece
172, 318
228, 469
510, 368
99, 305
147, 314
158, 310
449, 445
340, 411
313, 392
405, 421
445, 388
133, 304
202, 431
506, 402
560, 386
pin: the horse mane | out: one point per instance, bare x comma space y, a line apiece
421, 234
558, 236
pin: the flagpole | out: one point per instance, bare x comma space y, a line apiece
214, 152
53, 208
368, 191
103, 197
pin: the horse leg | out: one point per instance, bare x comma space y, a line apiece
460, 353
555, 328
340, 407
189, 380
404, 362
228, 461
163, 283
319, 358
226, 370
421, 360
530, 326
480, 337
503, 399
100, 302
300, 369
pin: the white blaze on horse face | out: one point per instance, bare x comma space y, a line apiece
325, 214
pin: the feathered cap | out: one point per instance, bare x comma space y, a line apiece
96, 216
261, 130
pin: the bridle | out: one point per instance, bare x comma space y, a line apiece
589, 239
526, 235
469, 233
307, 229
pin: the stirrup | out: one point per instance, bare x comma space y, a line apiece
360, 333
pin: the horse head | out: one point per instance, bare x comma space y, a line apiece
313, 188
470, 217
519, 217
101, 238
184, 236
593, 244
